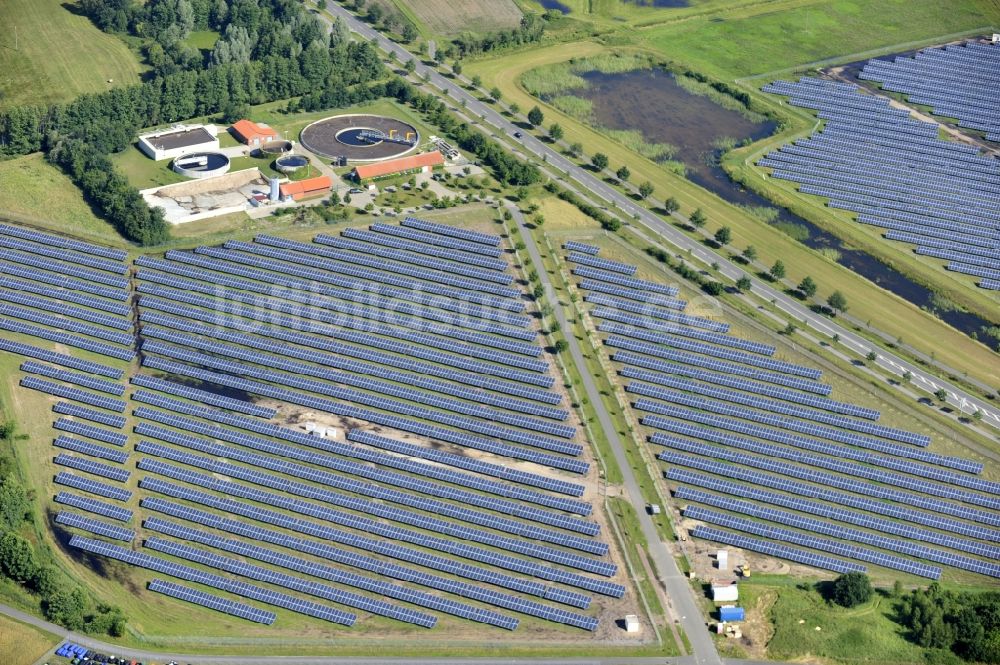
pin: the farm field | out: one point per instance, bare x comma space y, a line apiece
22, 644
59, 54
451, 17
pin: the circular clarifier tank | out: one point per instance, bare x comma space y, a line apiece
290, 163
201, 164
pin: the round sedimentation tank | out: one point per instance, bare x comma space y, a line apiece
201, 164
278, 147
291, 163
360, 137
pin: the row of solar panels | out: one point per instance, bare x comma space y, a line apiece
852, 484
357, 378
224, 605
323, 549
498, 378
354, 398
115, 297
461, 252
377, 533
354, 468
367, 506
347, 303
16, 291
188, 573
838, 531
254, 280
407, 449
381, 459
377, 586
428, 430
260, 344
391, 332
866, 501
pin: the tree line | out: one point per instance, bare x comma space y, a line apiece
79, 136
62, 601
966, 624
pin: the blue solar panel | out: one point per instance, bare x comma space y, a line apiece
271, 576
94, 487
603, 264
583, 248
106, 307
436, 240
371, 527
73, 394
95, 526
204, 396
69, 340
325, 550
392, 406
84, 380
376, 586
92, 449
63, 282
838, 531
67, 243
90, 466
797, 538
460, 253
777, 549
371, 507
109, 419
261, 594
203, 599
60, 359
894, 510
451, 231
65, 324
62, 254
94, 506
832, 511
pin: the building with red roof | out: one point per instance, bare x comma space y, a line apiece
252, 134
421, 163
304, 189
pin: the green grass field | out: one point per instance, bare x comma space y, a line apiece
863, 634
39, 194
767, 37
57, 54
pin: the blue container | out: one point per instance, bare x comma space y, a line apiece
731, 614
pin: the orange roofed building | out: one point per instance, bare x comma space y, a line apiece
252, 134
304, 189
421, 163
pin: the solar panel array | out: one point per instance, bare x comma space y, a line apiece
224, 605
894, 172
773, 426
95, 526
188, 573
954, 80
418, 328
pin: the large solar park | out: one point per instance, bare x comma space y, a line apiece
759, 456
893, 171
189, 394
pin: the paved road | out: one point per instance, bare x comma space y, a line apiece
589, 183
678, 588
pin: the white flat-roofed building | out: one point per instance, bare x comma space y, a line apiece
179, 140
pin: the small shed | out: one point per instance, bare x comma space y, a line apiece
731, 613
631, 623
722, 559
725, 592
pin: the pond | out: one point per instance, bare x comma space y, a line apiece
555, 4
652, 102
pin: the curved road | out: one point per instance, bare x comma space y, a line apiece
589, 183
